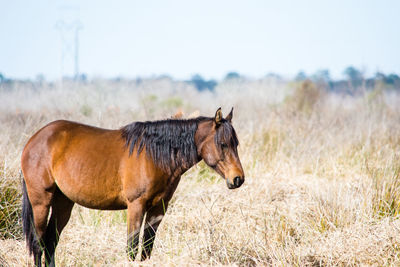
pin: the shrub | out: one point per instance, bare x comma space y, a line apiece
305, 97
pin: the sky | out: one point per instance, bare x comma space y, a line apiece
210, 37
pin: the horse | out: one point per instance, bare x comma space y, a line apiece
137, 167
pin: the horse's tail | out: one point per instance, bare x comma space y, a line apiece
27, 221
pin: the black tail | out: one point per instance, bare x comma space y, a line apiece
27, 222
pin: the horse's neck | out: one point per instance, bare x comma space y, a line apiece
180, 170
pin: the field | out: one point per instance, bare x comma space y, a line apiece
322, 175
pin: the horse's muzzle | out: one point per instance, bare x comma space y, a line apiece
237, 182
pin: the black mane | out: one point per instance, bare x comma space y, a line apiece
170, 143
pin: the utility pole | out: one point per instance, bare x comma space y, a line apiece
69, 26
77, 50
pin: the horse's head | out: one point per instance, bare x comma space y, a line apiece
217, 143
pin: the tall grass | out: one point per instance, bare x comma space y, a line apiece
322, 175
10, 209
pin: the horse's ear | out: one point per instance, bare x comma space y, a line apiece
218, 116
230, 115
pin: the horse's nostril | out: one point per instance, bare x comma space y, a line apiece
236, 181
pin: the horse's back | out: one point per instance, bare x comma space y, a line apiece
54, 136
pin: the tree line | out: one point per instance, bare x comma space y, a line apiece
353, 81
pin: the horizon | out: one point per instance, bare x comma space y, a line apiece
84, 77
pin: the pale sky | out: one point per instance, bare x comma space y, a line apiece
183, 37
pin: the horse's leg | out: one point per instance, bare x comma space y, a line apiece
134, 221
153, 219
41, 201
60, 213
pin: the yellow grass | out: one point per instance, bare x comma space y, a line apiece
322, 175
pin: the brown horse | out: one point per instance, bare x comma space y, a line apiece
137, 167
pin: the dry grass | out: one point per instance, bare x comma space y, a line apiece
322, 176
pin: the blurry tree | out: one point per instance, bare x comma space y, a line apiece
1, 77
117, 79
354, 76
323, 78
40, 78
139, 81
380, 76
352, 73
199, 82
202, 84
392, 80
322, 75
82, 77
232, 75
211, 84
301, 76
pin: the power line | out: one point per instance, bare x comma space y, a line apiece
69, 27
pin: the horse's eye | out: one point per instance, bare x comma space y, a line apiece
224, 145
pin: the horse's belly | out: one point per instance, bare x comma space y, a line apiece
92, 196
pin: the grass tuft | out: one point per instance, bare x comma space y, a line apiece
10, 210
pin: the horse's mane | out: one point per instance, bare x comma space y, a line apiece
169, 143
